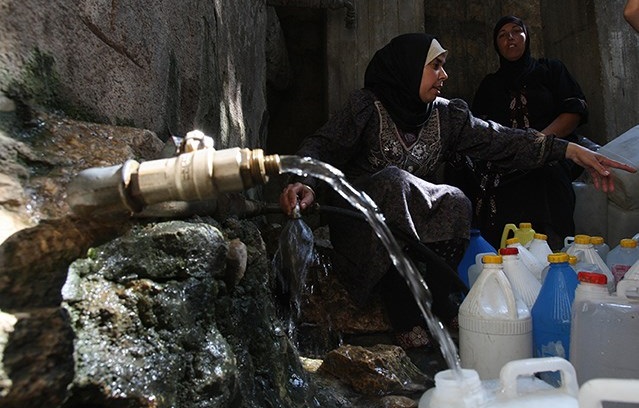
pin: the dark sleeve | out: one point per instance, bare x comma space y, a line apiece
340, 138
568, 96
507, 148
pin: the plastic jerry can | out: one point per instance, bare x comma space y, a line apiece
604, 330
539, 248
622, 257
475, 269
585, 252
476, 246
524, 232
551, 312
524, 283
516, 387
600, 246
494, 326
609, 393
534, 265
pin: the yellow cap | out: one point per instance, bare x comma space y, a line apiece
628, 243
491, 259
572, 259
558, 257
525, 225
596, 240
582, 239
540, 236
514, 240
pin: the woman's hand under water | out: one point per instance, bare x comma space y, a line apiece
294, 193
598, 166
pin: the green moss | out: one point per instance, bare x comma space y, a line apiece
38, 82
39, 85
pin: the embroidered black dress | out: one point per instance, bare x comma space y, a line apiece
527, 94
393, 168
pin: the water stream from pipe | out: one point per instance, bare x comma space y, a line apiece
304, 166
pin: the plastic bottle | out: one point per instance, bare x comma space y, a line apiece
551, 312
568, 242
525, 286
604, 330
600, 246
525, 233
633, 272
476, 246
475, 269
622, 257
494, 326
531, 262
586, 254
517, 387
539, 248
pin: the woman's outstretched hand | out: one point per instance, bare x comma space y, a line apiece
598, 166
294, 193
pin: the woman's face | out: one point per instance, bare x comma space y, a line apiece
511, 41
433, 79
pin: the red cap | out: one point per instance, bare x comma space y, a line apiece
508, 251
592, 277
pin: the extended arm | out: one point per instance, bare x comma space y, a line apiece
563, 125
598, 166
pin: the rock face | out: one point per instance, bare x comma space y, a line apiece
165, 66
156, 325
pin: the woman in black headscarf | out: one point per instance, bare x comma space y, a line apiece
389, 139
526, 93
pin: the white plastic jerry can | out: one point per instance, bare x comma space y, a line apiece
517, 387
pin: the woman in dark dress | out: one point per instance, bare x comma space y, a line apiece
526, 93
389, 139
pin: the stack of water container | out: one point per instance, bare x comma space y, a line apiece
535, 325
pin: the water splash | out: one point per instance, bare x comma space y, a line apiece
305, 166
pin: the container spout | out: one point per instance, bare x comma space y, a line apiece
193, 175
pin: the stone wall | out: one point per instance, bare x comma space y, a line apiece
161, 65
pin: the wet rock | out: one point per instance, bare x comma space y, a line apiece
377, 370
236, 258
36, 166
155, 324
37, 358
397, 401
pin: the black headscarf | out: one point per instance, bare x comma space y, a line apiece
513, 71
394, 75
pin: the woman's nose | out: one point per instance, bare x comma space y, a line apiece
443, 76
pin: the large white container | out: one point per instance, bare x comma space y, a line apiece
494, 326
517, 387
585, 252
622, 257
525, 286
539, 248
633, 272
604, 331
614, 391
475, 269
532, 263
599, 244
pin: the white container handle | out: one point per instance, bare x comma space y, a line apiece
568, 241
530, 366
628, 285
594, 391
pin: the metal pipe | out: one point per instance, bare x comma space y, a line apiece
351, 16
194, 175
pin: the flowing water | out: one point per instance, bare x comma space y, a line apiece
304, 166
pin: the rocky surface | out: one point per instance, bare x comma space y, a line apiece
171, 309
160, 65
